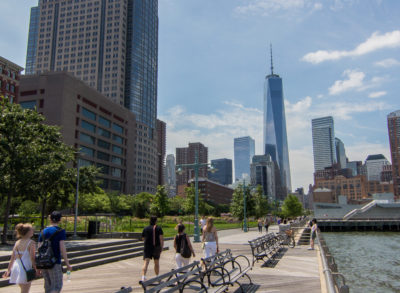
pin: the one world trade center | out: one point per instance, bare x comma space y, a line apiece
275, 136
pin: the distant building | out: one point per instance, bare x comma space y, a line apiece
340, 153
374, 166
102, 131
263, 173
210, 191
161, 150
323, 135
355, 167
244, 149
32, 41
170, 175
394, 140
354, 188
324, 195
186, 155
222, 171
9, 79
386, 174
274, 126
374, 187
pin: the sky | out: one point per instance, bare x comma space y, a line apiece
338, 58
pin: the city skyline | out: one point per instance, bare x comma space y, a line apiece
211, 91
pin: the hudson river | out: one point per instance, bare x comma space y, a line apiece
370, 261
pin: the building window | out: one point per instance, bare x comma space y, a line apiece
117, 149
115, 185
83, 163
103, 132
116, 172
87, 138
118, 128
105, 122
28, 105
104, 169
103, 144
116, 160
88, 114
87, 151
88, 126
103, 156
118, 139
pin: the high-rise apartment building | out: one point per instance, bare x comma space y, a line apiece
355, 167
323, 135
274, 124
374, 166
263, 173
113, 47
222, 172
187, 155
170, 175
244, 149
394, 140
340, 153
9, 79
161, 150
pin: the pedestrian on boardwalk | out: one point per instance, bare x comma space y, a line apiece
259, 225
22, 258
183, 247
314, 228
266, 225
53, 278
210, 238
153, 245
202, 223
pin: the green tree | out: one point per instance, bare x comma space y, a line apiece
94, 203
261, 206
292, 207
32, 156
176, 204
141, 204
189, 203
236, 207
160, 204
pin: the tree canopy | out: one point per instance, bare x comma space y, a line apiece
292, 207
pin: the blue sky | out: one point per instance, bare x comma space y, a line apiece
338, 58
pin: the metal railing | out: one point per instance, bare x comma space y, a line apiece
335, 282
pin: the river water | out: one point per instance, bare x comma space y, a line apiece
370, 261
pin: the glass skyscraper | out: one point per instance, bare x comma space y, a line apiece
32, 41
244, 149
223, 171
275, 136
323, 135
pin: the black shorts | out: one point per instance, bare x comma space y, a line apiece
152, 252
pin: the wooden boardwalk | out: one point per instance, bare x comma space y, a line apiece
296, 271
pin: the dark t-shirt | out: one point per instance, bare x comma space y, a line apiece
147, 234
55, 242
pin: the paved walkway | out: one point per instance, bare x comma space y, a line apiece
297, 271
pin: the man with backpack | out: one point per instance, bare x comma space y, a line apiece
53, 275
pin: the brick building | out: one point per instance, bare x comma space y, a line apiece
393, 120
9, 79
187, 155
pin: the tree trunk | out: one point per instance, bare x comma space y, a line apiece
43, 212
6, 214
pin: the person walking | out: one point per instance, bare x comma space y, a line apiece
266, 225
314, 228
53, 278
182, 241
202, 223
210, 238
153, 246
22, 257
259, 225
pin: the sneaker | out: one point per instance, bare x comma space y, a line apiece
310, 248
143, 278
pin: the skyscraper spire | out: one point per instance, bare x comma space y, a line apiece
272, 63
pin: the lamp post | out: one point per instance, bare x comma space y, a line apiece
196, 167
244, 207
76, 199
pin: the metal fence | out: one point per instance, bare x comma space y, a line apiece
335, 282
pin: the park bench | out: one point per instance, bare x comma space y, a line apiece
267, 246
189, 277
224, 268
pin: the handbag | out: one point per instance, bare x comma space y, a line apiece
31, 273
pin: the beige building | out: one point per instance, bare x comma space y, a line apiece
103, 131
9, 79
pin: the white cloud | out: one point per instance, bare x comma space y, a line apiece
375, 95
354, 81
267, 7
386, 63
375, 42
